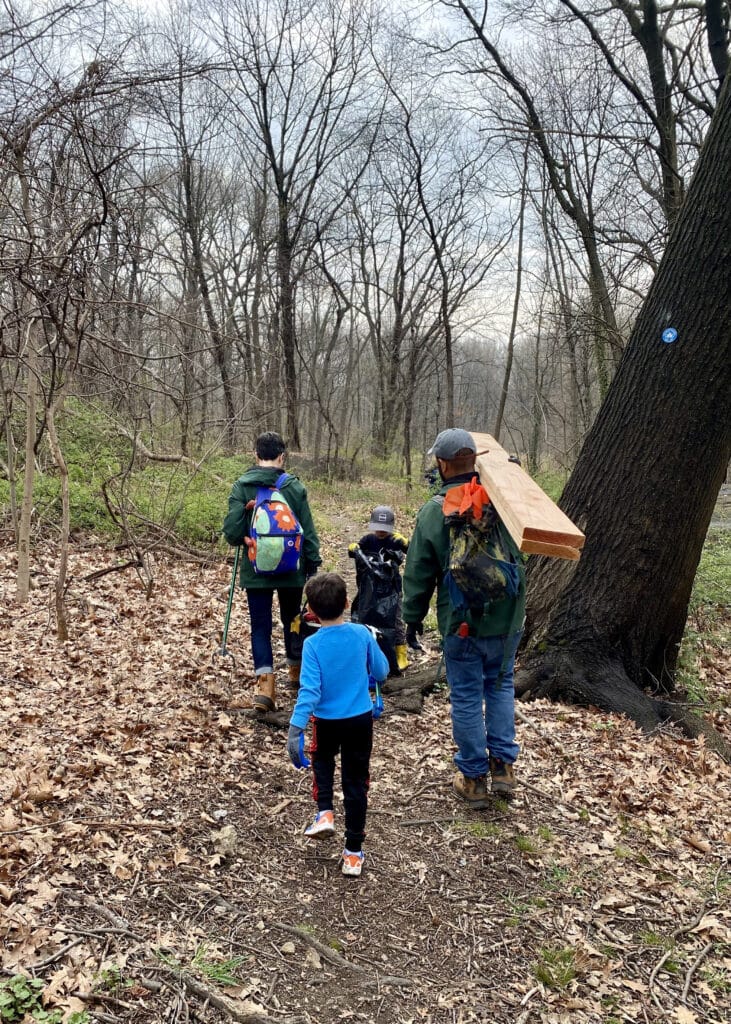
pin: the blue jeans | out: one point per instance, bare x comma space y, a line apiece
483, 709
260, 614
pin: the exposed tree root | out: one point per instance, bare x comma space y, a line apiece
589, 678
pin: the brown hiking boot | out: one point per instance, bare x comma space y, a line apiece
293, 676
264, 698
503, 779
472, 791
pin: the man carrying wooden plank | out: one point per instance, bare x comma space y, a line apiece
479, 640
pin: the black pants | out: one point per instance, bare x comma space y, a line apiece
352, 738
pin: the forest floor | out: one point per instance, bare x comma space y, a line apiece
153, 867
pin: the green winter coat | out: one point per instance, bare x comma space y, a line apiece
237, 524
427, 563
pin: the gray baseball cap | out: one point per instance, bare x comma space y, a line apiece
451, 441
382, 518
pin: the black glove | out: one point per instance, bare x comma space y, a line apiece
411, 638
310, 568
295, 744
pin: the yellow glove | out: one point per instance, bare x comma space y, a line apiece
352, 549
400, 537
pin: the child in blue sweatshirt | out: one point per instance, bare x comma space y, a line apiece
336, 663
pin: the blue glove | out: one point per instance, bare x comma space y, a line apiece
377, 709
296, 747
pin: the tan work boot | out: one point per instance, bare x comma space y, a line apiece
503, 779
264, 697
293, 675
473, 791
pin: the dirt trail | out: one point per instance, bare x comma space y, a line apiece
153, 867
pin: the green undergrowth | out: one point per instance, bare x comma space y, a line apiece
708, 629
186, 501
552, 481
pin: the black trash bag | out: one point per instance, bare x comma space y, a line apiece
377, 601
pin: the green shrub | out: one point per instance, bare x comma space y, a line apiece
552, 481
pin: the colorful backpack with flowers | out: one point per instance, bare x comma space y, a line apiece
274, 544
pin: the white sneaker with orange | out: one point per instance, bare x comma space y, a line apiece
353, 863
322, 826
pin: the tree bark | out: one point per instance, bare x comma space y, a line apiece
516, 305
645, 484
62, 629
26, 506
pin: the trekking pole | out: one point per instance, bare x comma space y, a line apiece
223, 651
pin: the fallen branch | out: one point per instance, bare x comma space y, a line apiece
139, 446
220, 1002
118, 923
134, 563
340, 961
424, 681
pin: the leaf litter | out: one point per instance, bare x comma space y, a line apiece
153, 867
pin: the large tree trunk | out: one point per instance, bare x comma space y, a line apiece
648, 475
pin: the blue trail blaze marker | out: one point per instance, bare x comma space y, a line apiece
669, 335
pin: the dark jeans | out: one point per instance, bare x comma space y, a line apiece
353, 739
260, 614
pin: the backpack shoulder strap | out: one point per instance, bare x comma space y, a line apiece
281, 481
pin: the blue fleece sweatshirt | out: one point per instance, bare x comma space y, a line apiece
334, 677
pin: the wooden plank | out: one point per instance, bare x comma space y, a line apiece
535, 522
539, 547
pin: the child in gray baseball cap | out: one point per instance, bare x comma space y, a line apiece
378, 557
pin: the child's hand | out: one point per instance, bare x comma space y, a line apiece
353, 549
295, 747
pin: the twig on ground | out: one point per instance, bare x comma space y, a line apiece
99, 933
212, 998
653, 976
55, 956
559, 802
693, 968
411, 822
429, 785
684, 929
544, 735
340, 961
119, 924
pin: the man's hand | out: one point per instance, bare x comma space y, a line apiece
295, 747
411, 635
310, 568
